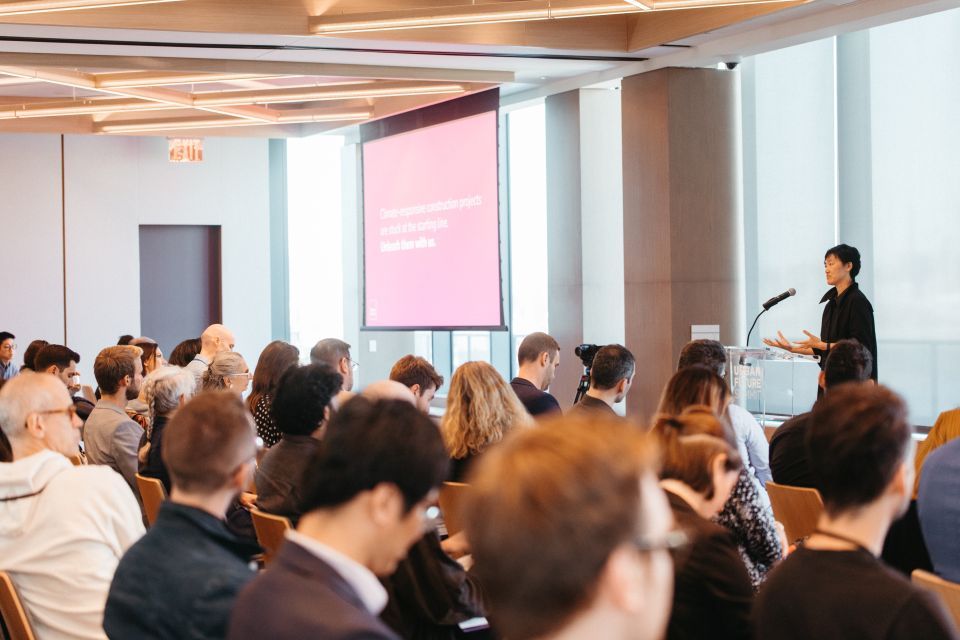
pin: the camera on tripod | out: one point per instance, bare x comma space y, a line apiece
586, 353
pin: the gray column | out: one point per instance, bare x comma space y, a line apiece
682, 212
279, 261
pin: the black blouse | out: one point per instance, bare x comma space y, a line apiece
849, 315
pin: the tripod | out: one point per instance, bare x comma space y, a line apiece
584, 385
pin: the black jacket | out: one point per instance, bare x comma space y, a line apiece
536, 402
848, 316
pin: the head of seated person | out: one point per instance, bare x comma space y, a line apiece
698, 387
276, 359
37, 414
305, 400
848, 361
611, 374
185, 352
391, 390
709, 354
60, 361
421, 378
336, 354
538, 357
30, 354
228, 371
560, 558
216, 339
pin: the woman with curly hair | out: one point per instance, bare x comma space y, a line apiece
481, 409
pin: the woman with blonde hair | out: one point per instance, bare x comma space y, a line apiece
228, 371
481, 410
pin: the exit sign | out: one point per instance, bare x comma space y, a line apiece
185, 149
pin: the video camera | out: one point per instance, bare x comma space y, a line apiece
586, 353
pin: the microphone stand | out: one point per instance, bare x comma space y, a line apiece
754, 325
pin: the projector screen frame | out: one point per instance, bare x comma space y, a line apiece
438, 114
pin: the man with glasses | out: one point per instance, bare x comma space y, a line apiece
570, 533
181, 579
368, 495
63, 528
335, 353
8, 348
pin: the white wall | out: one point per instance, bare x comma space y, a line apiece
112, 185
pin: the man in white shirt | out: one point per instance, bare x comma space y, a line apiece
367, 495
63, 528
213, 340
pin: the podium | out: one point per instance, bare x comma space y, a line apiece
770, 383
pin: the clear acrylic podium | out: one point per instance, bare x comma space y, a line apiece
772, 383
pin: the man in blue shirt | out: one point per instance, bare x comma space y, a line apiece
940, 511
8, 368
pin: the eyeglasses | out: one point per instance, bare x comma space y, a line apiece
353, 363
71, 411
9, 347
673, 541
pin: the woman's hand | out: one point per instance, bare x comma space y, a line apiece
780, 342
812, 342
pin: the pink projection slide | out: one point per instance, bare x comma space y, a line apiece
431, 235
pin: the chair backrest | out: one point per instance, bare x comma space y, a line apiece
452, 495
12, 612
797, 508
270, 532
153, 494
948, 591
768, 432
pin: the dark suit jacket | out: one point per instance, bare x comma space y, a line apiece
712, 592
279, 476
301, 596
589, 405
537, 402
788, 453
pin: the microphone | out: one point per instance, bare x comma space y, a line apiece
772, 302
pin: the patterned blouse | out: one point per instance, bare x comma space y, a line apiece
751, 522
266, 427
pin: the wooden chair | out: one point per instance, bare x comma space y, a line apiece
12, 613
948, 591
768, 432
797, 508
452, 495
153, 494
270, 532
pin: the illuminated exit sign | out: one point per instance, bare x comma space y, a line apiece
185, 149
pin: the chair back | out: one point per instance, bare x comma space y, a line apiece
948, 591
452, 496
152, 493
12, 613
270, 532
797, 508
768, 433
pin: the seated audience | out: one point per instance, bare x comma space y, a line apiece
849, 361
8, 368
30, 355
276, 359
834, 586
746, 514
62, 362
481, 410
611, 376
712, 591
184, 353
538, 357
420, 376
110, 437
944, 430
63, 528
575, 544
215, 339
751, 441
227, 371
366, 498
939, 510
302, 407
181, 579
166, 390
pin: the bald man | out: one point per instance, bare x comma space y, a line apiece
389, 390
214, 339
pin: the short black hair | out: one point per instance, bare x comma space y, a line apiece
55, 354
612, 364
371, 443
848, 361
857, 439
845, 253
6, 335
703, 353
302, 395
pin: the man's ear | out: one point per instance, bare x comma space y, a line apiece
416, 390
619, 582
344, 365
544, 359
385, 504
54, 369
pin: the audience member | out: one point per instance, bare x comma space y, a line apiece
849, 361
8, 368
184, 353
124, 340
215, 339
276, 359
747, 513
570, 533
390, 390
420, 376
944, 430
834, 586
165, 390
62, 362
63, 528
751, 441
303, 405
151, 359
611, 376
227, 371
481, 409
366, 499
712, 591
30, 354
110, 437
538, 357
335, 353
939, 510
181, 579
